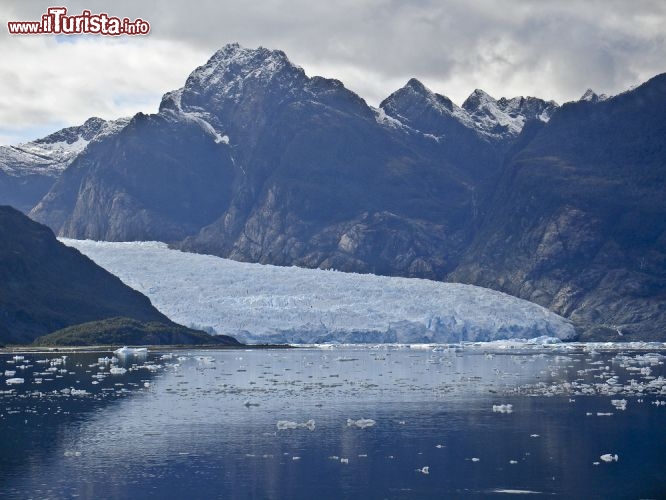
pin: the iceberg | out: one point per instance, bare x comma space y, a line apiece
503, 408
270, 304
361, 423
287, 424
128, 352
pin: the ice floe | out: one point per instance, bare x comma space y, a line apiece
287, 424
504, 408
361, 423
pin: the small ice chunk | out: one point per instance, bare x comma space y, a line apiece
127, 352
287, 424
475, 459
361, 423
344, 460
620, 404
424, 470
534, 435
608, 457
10, 373
507, 408
14, 381
513, 462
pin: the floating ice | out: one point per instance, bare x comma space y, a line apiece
14, 381
361, 423
620, 404
424, 470
344, 460
117, 370
505, 408
515, 492
609, 457
287, 424
10, 373
131, 352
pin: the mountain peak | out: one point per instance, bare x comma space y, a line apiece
417, 86
415, 90
476, 100
233, 63
591, 96
231, 73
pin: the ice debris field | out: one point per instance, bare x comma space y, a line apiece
262, 303
295, 393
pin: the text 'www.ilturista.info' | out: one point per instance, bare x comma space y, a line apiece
57, 22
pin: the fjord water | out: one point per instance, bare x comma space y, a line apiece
381, 422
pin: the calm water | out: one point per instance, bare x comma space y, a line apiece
335, 423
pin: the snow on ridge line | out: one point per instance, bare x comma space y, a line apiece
263, 303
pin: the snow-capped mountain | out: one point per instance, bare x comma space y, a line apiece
28, 170
437, 117
50, 155
254, 160
505, 118
258, 304
591, 96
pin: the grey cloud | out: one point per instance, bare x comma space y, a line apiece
551, 49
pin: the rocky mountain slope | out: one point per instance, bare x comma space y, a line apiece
47, 286
579, 217
29, 170
256, 161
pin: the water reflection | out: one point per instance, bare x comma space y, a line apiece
205, 424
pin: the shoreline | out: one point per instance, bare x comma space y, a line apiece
496, 347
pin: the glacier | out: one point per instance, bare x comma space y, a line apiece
258, 303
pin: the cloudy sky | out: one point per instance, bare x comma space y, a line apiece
551, 49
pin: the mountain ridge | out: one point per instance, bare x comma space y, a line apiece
288, 169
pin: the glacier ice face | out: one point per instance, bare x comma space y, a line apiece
259, 303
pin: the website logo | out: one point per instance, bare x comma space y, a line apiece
56, 22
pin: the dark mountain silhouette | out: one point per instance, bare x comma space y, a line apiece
46, 286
